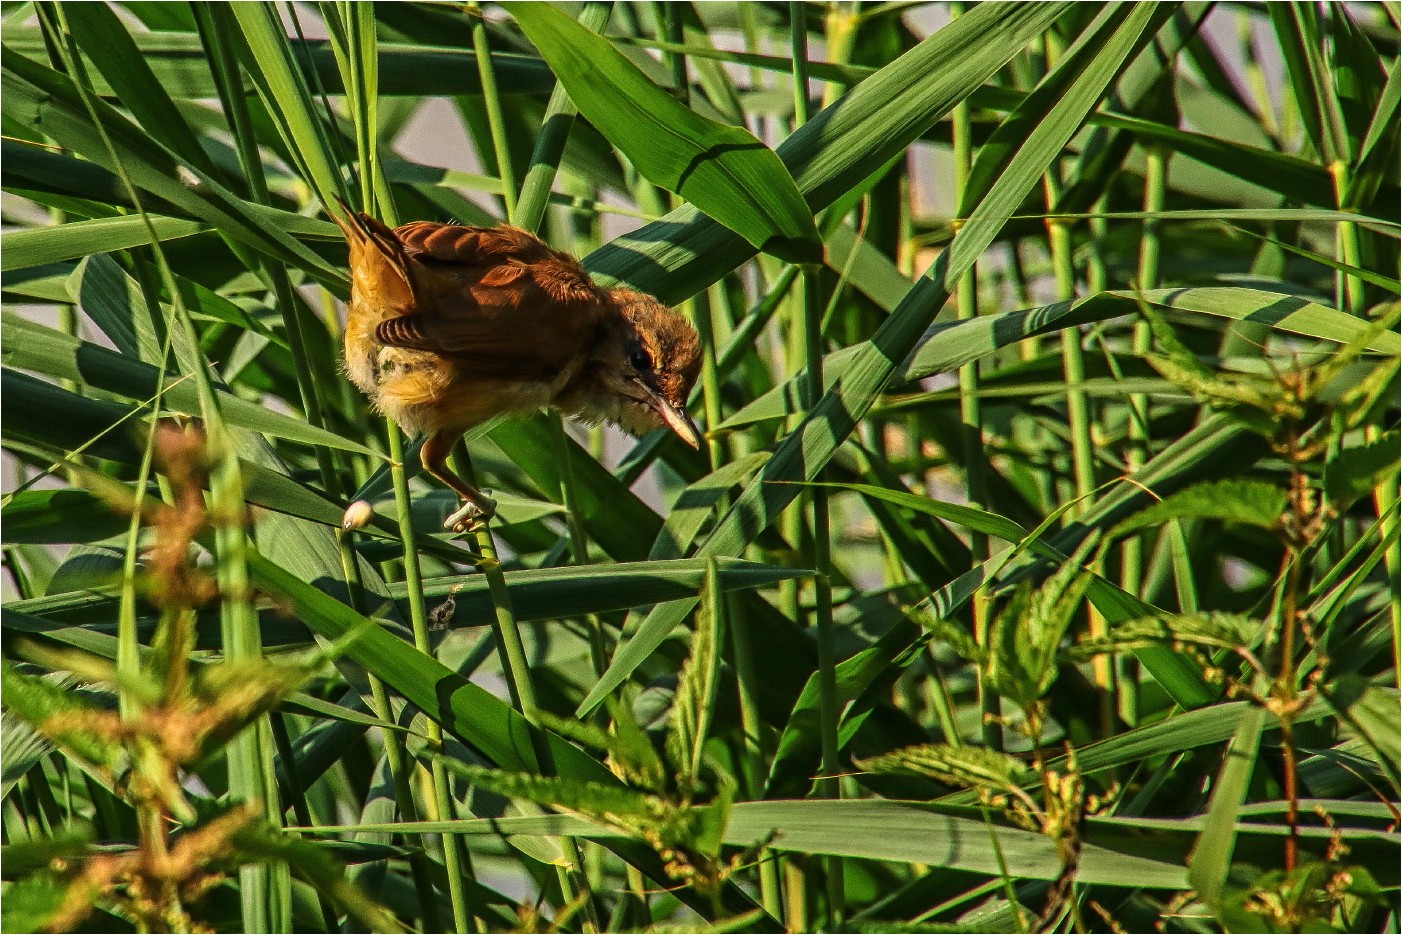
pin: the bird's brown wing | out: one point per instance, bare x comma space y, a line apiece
499, 299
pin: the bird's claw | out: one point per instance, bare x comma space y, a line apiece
470, 516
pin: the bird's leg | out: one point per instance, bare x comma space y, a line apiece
477, 507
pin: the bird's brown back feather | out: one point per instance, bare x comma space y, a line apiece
497, 301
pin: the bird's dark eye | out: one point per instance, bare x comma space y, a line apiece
640, 360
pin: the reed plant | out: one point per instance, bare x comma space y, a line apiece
1039, 570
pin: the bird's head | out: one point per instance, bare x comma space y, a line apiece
646, 366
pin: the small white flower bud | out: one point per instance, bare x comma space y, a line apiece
357, 515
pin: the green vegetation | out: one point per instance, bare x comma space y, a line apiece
1040, 572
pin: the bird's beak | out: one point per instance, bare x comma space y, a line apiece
677, 420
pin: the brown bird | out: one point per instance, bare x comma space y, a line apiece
451, 326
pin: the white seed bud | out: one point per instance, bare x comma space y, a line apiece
357, 515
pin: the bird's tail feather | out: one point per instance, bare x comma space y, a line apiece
372, 245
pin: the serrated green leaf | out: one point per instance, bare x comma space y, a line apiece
969, 767
1357, 469
63, 716
1026, 634
1214, 629
636, 813
1252, 502
696, 685
1370, 712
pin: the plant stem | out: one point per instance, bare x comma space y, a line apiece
752, 743
455, 862
971, 417
828, 785
492, 102
1349, 295
1286, 691
555, 127
1132, 554
507, 631
1072, 356
521, 689
264, 892
579, 536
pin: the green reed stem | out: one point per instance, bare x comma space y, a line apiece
454, 862
701, 315
971, 417
362, 79
128, 661
520, 687
213, 23
297, 798
1073, 366
828, 785
1072, 356
579, 535
554, 134
1349, 292
741, 341
710, 378
795, 896
507, 629
798, 49
491, 100
528, 214
1132, 554
264, 891
399, 770
1175, 536
1104, 668
752, 742
698, 307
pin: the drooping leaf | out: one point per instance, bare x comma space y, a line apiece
722, 170
1252, 502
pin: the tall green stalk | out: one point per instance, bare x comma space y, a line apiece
529, 210
505, 626
455, 862
1073, 367
528, 214
1132, 555
828, 785
971, 417
491, 100
361, 56
264, 891
1349, 294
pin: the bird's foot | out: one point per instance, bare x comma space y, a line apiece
471, 516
